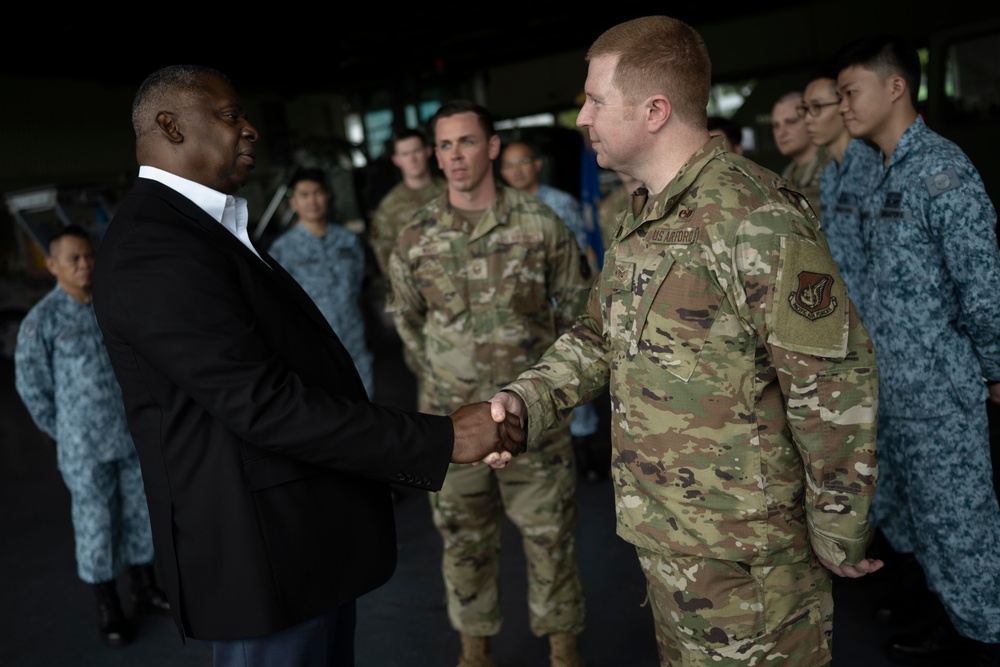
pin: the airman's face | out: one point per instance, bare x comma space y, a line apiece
72, 262
464, 153
519, 167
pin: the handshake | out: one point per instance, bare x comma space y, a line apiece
491, 432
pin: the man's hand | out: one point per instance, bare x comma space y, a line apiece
859, 569
479, 436
505, 406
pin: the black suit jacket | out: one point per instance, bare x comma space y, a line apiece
266, 467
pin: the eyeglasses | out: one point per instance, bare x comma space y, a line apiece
520, 163
813, 110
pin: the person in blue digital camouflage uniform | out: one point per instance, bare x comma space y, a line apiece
63, 375
328, 261
844, 181
931, 307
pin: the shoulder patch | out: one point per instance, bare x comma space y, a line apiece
814, 297
808, 310
942, 181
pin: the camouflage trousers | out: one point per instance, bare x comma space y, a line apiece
935, 499
726, 614
110, 517
537, 492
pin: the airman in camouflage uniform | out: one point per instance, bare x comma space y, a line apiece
931, 305
418, 187
743, 385
476, 298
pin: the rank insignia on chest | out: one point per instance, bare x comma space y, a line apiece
814, 297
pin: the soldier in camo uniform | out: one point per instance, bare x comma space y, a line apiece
63, 374
929, 232
482, 282
328, 261
743, 385
411, 155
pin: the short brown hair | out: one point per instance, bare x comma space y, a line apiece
660, 54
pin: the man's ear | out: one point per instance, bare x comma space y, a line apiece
494, 147
658, 110
897, 87
166, 122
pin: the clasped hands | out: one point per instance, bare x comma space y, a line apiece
491, 432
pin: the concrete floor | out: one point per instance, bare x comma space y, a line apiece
47, 617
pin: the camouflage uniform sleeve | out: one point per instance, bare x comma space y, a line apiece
573, 371
34, 375
406, 304
824, 360
380, 239
569, 277
965, 223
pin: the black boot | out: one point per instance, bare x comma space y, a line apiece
147, 598
115, 629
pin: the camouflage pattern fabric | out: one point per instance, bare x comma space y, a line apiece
538, 493
931, 308
331, 269
475, 305
609, 211
843, 187
805, 178
585, 418
393, 213
718, 613
63, 375
743, 385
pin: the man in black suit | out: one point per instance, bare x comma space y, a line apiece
266, 468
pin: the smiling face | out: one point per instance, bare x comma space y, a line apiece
519, 167
464, 153
218, 138
828, 126
613, 124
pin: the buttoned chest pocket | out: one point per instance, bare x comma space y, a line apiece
901, 243
433, 274
660, 310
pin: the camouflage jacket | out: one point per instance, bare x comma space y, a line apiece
474, 306
843, 187
609, 210
63, 374
805, 178
393, 213
743, 386
931, 303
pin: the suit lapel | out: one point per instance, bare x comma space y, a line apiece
269, 268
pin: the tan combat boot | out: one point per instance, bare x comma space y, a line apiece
476, 652
564, 650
